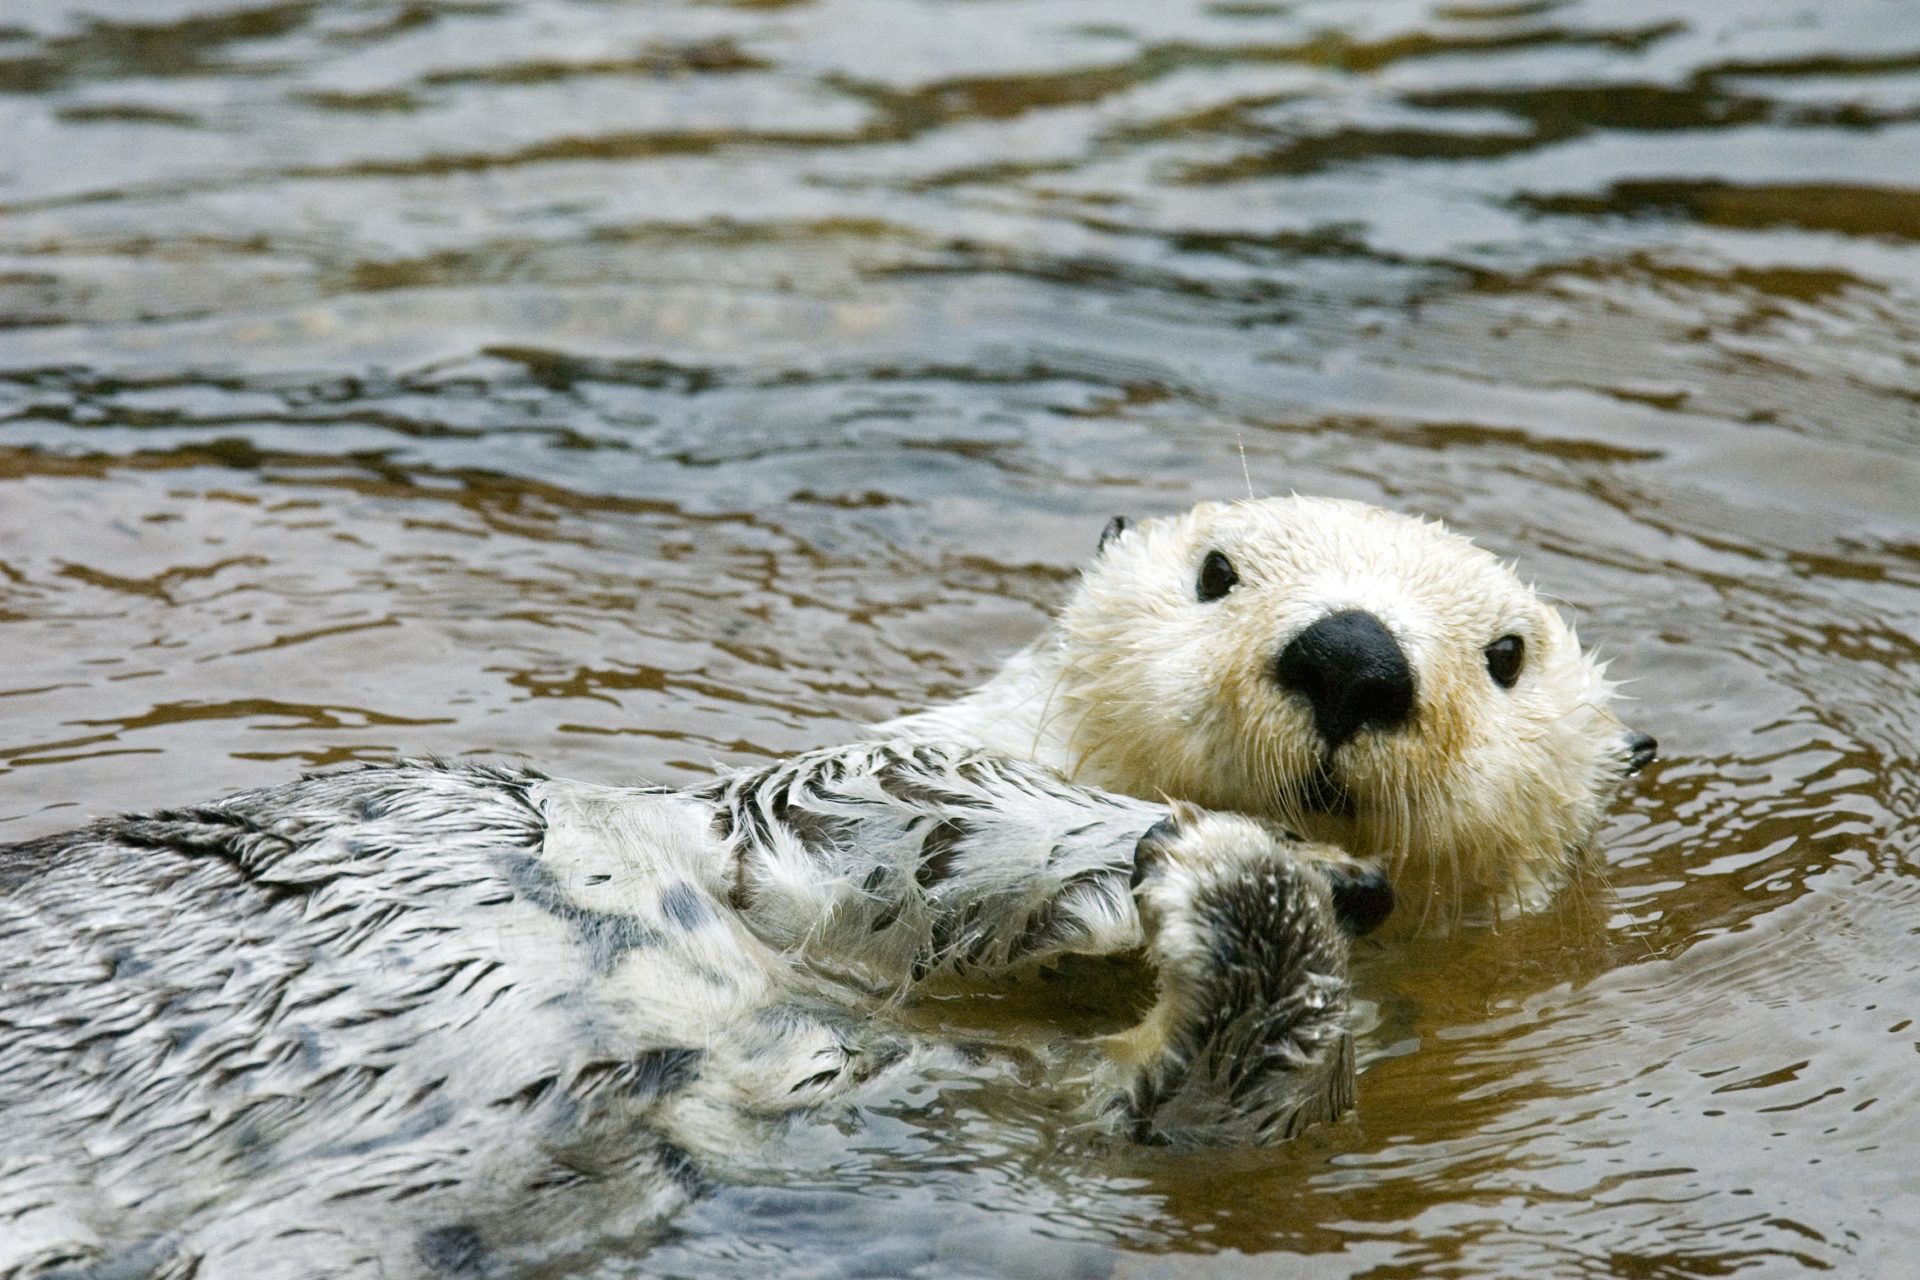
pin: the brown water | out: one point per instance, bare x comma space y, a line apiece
634, 386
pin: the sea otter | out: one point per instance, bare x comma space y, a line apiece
1366, 678
422, 1020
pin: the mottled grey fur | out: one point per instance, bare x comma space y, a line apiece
430, 1020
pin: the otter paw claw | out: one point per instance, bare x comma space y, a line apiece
1153, 848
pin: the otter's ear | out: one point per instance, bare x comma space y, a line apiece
1115, 527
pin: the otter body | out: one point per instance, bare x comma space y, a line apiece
422, 1020
425, 1020
1365, 678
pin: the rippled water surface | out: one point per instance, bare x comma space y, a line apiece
634, 386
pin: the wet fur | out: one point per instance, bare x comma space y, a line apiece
430, 1020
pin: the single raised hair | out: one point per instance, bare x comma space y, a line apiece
426, 1020
1366, 678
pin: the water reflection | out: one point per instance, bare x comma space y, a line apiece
631, 387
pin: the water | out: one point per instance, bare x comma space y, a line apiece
631, 387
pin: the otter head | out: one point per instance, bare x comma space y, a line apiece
1366, 678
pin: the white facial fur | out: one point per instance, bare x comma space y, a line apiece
1481, 800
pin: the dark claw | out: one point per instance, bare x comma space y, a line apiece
1148, 848
1362, 898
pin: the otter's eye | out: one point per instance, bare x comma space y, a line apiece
1504, 657
1216, 577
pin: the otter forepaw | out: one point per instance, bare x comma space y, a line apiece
1248, 1039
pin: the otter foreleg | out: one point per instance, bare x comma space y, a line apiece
883, 865
887, 864
1247, 1040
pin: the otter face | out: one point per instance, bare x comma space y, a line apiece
1367, 678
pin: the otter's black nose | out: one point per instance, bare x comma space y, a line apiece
1641, 749
1352, 673
1362, 898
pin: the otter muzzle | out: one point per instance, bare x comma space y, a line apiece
1352, 672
